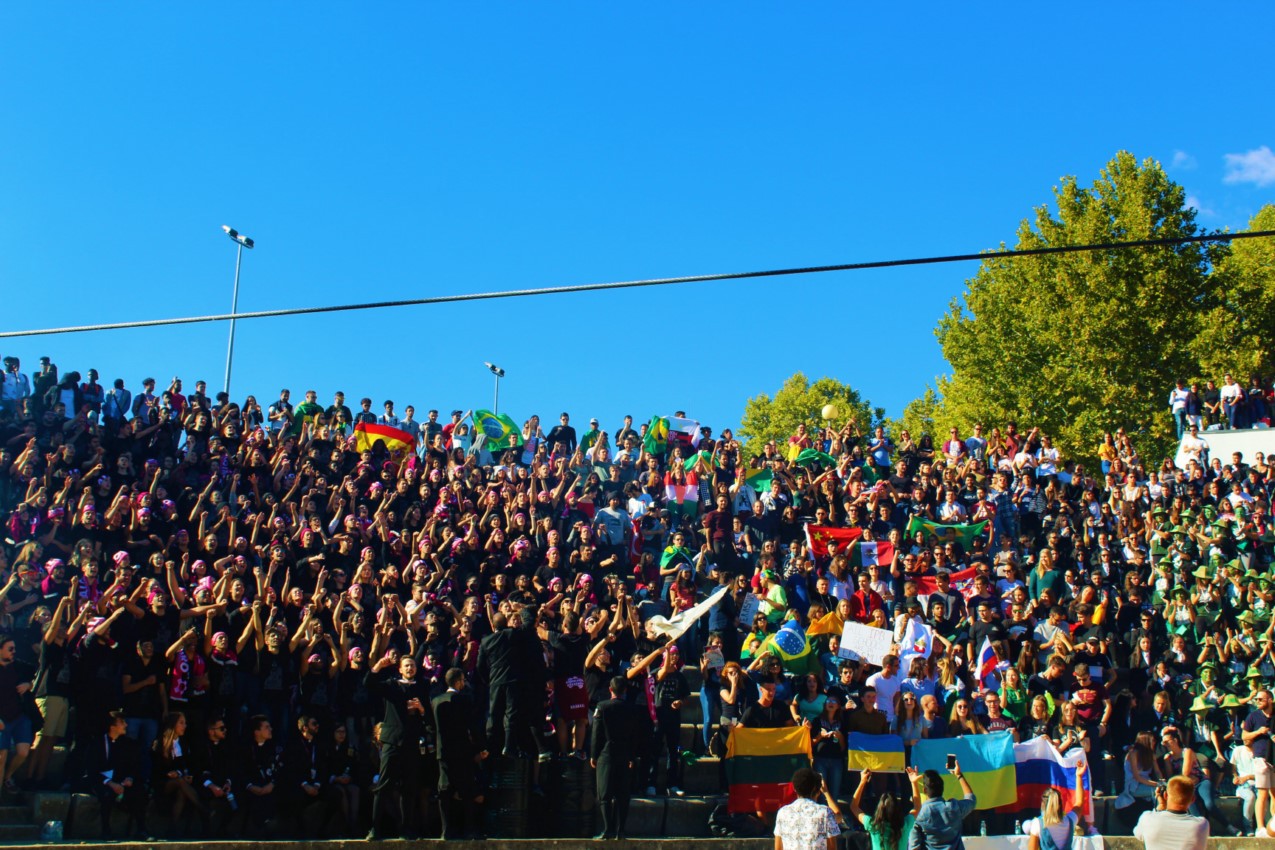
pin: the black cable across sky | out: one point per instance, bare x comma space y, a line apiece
664, 281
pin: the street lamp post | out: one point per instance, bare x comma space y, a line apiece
499, 373
243, 242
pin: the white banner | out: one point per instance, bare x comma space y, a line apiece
748, 610
865, 643
1019, 842
674, 627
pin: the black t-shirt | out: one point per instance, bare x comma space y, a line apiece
758, 716
12, 675
54, 677
979, 630
569, 652
1261, 746
144, 703
598, 684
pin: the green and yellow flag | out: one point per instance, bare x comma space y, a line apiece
500, 430
656, 440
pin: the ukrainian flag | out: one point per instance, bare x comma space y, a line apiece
760, 764
986, 760
500, 430
879, 753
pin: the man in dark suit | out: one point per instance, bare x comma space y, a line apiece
460, 793
616, 740
214, 766
406, 706
112, 776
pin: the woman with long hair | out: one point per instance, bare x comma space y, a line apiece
890, 827
173, 781
829, 745
1053, 830
962, 720
907, 724
1013, 695
1141, 776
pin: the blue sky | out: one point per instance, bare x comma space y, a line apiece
398, 150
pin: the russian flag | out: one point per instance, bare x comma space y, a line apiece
1038, 767
987, 664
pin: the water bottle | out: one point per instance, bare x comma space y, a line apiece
230, 799
1018, 827
51, 833
982, 827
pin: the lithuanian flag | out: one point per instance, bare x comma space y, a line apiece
986, 760
878, 753
396, 440
500, 430
760, 764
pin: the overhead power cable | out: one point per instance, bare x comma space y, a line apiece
629, 284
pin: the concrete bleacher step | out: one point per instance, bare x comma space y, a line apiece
19, 833
15, 815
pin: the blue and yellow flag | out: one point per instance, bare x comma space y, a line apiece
986, 760
500, 430
879, 753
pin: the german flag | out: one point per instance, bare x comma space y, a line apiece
396, 440
760, 764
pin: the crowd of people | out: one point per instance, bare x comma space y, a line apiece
251, 615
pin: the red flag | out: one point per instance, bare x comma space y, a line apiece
825, 540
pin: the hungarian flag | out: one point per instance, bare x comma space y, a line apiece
500, 430
760, 764
684, 496
397, 440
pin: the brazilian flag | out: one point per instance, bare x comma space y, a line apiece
656, 440
792, 647
500, 430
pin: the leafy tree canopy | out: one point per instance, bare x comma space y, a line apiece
1083, 343
800, 401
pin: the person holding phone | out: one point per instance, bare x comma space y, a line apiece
938, 823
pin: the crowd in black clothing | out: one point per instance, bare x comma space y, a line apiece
250, 617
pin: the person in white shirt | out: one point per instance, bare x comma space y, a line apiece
887, 683
1169, 827
1195, 447
1232, 396
805, 824
1245, 783
1177, 405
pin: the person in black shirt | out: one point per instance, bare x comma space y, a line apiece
562, 434
459, 752
111, 775
213, 765
259, 770
768, 712
406, 701
569, 649
617, 728
304, 781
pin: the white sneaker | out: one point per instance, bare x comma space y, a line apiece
650, 790
676, 792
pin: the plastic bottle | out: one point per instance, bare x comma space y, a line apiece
1018, 827
982, 827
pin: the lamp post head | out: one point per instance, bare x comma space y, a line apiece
237, 236
495, 370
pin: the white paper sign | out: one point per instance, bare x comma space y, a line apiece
865, 643
748, 610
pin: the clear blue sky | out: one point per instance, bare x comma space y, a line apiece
395, 150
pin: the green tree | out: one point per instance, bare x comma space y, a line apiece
799, 401
1082, 343
1238, 334
924, 415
